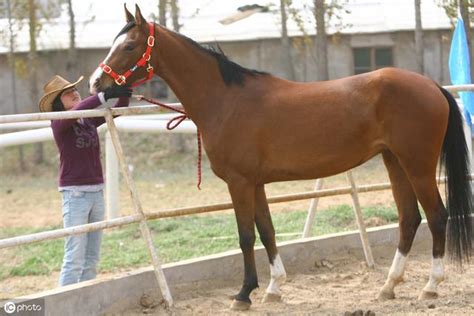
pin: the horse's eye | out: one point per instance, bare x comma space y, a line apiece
129, 47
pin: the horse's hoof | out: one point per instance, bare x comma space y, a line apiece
424, 295
271, 298
240, 305
386, 295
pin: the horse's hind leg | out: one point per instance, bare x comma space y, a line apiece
409, 219
421, 172
437, 216
265, 228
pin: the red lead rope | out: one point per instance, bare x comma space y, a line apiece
173, 123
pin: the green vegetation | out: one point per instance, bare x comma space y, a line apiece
176, 239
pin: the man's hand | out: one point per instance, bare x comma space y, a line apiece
117, 91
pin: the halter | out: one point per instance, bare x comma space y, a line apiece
145, 59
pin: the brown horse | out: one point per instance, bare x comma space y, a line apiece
258, 129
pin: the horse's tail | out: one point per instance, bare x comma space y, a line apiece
455, 158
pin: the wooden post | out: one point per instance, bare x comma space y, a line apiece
360, 221
112, 183
313, 206
160, 276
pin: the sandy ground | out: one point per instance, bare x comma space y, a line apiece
338, 287
346, 285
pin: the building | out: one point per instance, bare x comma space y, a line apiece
370, 35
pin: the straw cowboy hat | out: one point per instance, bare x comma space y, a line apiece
52, 89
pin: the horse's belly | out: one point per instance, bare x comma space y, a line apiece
318, 160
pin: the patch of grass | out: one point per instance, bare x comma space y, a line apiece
36, 259
33, 259
387, 213
175, 238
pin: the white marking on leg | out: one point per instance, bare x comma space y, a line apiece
98, 72
398, 266
278, 276
436, 275
395, 275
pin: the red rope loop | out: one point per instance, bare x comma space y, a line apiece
173, 123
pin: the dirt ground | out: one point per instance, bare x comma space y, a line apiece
345, 285
337, 287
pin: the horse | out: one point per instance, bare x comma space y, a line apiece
257, 129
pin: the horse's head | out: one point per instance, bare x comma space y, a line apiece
128, 59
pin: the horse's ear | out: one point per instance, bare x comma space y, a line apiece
139, 19
128, 15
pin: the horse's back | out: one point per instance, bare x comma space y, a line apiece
312, 130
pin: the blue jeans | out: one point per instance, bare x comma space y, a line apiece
81, 252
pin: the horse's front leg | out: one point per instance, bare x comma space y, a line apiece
243, 198
265, 228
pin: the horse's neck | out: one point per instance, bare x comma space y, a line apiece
192, 74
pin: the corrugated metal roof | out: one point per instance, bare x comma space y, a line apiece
97, 22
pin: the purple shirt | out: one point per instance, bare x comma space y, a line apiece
78, 145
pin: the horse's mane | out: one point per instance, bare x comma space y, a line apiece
231, 72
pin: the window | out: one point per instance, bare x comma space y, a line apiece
371, 58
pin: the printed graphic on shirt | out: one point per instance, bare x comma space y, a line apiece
86, 138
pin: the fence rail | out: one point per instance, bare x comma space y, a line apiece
28, 117
460, 87
176, 212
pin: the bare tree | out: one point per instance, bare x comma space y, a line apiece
12, 60
72, 52
162, 4
419, 47
175, 14
333, 13
33, 70
285, 42
178, 141
321, 40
